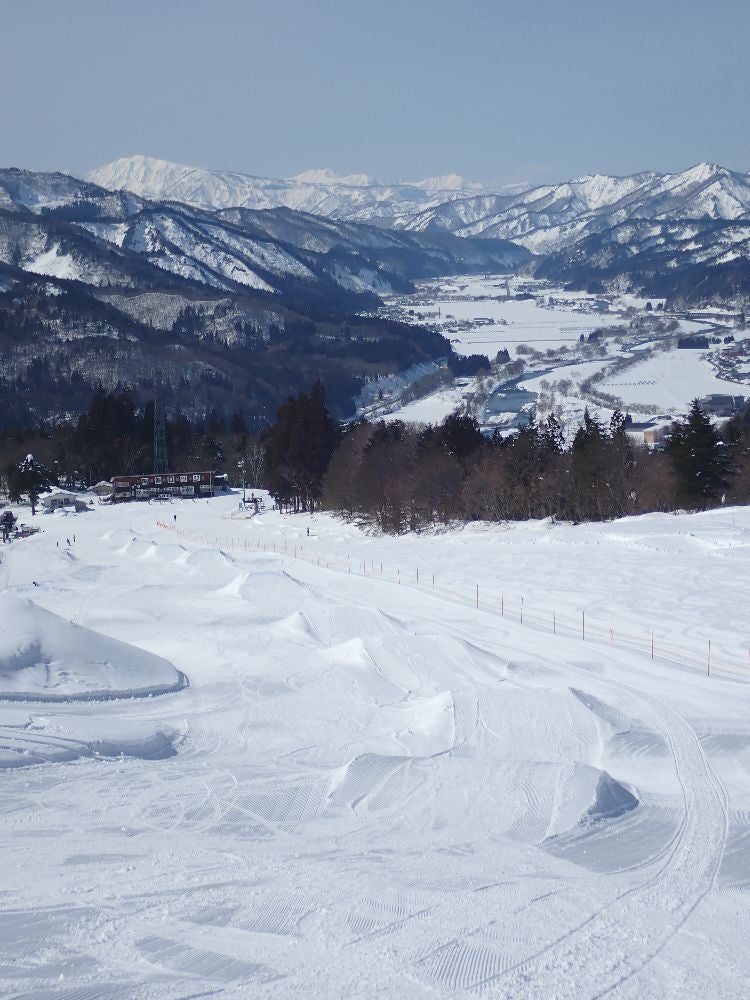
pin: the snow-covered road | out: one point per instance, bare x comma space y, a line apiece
368, 789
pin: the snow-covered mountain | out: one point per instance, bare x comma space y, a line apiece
549, 217
237, 308
544, 219
356, 197
688, 262
56, 225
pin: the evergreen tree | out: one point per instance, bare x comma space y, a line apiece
553, 440
699, 457
299, 447
460, 435
619, 466
588, 464
28, 478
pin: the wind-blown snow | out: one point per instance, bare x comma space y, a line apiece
371, 787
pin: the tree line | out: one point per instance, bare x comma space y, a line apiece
398, 477
115, 437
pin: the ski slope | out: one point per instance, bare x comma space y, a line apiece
362, 783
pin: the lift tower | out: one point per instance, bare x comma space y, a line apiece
161, 461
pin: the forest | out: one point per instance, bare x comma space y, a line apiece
396, 477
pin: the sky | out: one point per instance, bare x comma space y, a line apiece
496, 90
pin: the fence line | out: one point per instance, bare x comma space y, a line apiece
514, 609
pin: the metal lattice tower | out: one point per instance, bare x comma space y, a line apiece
161, 461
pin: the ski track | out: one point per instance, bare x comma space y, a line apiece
619, 940
596, 957
323, 857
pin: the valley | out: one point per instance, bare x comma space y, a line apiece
567, 351
374, 501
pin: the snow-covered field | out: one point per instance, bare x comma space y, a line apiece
477, 316
370, 787
494, 322
669, 380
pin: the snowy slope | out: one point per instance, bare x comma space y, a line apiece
375, 787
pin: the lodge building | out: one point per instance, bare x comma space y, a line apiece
178, 484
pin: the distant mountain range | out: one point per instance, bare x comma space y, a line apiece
681, 235
237, 308
241, 290
547, 218
76, 230
544, 219
355, 198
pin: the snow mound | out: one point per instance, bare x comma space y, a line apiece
39, 740
612, 799
45, 658
233, 589
577, 797
207, 559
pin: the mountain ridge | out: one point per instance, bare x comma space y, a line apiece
543, 218
356, 197
237, 309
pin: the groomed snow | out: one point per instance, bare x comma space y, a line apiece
371, 787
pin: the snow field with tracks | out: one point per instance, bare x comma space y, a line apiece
367, 789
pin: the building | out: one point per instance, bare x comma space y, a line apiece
171, 484
56, 499
656, 435
650, 432
720, 404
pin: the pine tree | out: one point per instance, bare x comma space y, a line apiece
28, 477
699, 457
299, 447
588, 469
553, 440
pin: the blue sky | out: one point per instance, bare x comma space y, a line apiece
498, 91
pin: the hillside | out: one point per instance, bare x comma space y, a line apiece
237, 308
687, 263
571, 222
